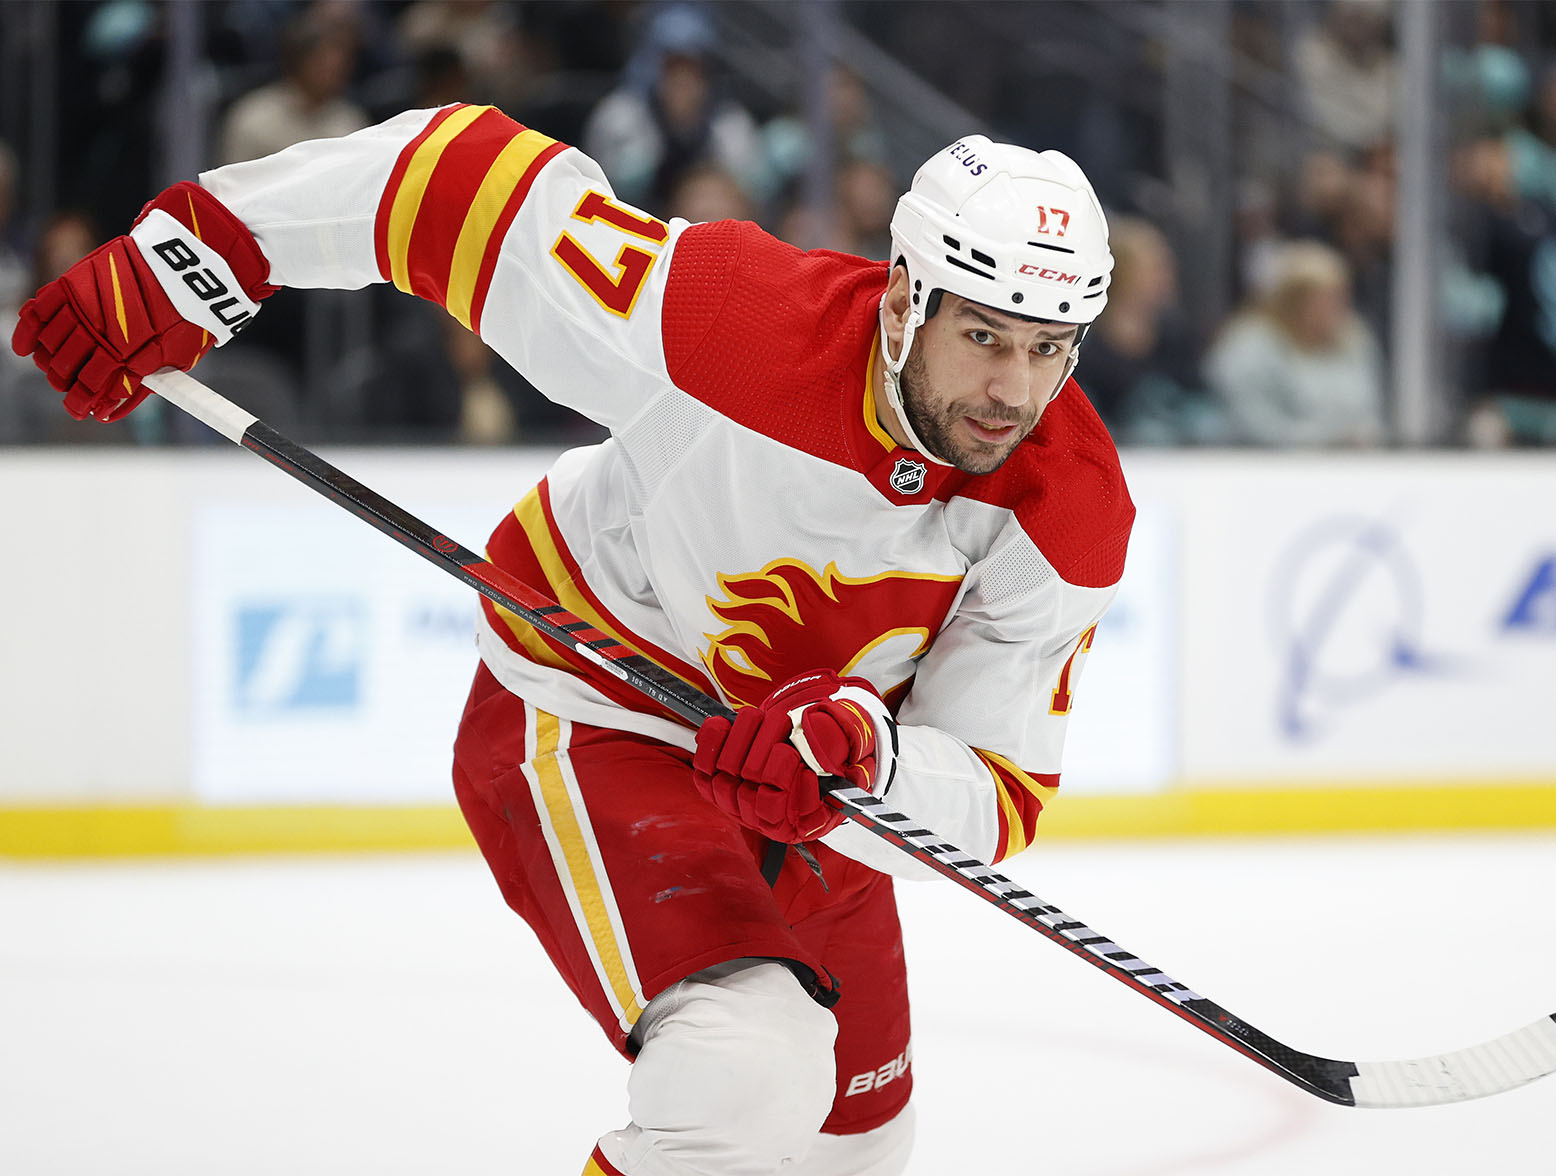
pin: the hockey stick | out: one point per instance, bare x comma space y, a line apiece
1488, 1068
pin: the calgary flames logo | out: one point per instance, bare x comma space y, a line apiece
788, 619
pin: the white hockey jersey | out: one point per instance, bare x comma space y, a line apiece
749, 519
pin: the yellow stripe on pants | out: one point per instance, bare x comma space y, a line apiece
590, 889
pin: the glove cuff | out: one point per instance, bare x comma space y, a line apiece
863, 695
204, 258
218, 226
863, 698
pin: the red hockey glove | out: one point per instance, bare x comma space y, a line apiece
188, 276
763, 768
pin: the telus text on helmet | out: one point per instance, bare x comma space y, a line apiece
967, 157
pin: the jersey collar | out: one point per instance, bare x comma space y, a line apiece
904, 477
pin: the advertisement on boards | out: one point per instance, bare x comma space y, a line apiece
329, 664
1395, 624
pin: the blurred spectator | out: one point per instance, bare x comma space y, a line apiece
857, 221
13, 270
1512, 240
1486, 84
1300, 367
866, 198
485, 38
806, 227
646, 133
318, 51
435, 76
1258, 232
1323, 184
1363, 232
433, 380
1138, 362
1351, 206
856, 133
706, 193
30, 408
65, 239
441, 77
1533, 145
1348, 74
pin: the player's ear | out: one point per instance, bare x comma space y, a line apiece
896, 303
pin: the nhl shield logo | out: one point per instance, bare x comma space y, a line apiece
907, 476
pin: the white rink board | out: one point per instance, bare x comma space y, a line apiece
1122, 736
121, 614
194, 625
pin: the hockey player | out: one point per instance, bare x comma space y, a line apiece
863, 503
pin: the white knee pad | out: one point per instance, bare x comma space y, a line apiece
734, 1078
882, 1151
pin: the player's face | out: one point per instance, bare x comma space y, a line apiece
977, 381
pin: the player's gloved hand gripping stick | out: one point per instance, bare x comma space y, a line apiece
1488, 1068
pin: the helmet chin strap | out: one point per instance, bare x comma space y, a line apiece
894, 381
1075, 357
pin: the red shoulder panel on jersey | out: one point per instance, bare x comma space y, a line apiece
774, 338
451, 196
1065, 485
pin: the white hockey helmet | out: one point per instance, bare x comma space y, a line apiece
1018, 230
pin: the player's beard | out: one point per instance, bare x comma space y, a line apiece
934, 419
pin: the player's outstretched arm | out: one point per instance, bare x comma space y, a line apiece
510, 231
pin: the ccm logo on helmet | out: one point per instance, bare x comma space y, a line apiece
205, 285
968, 158
1051, 275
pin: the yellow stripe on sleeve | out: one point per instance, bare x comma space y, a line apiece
485, 210
413, 186
1043, 792
1016, 828
1015, 831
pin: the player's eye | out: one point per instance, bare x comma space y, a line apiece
1048, 349
981, 337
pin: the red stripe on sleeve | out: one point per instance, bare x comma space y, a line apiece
450, 192
386, 201
500, 230
1027, 804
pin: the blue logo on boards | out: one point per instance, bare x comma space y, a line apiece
1349, 614
1534, 610
301, 655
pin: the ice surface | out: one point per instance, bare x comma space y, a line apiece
389, 1015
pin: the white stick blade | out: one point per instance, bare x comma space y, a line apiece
1519, 1057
